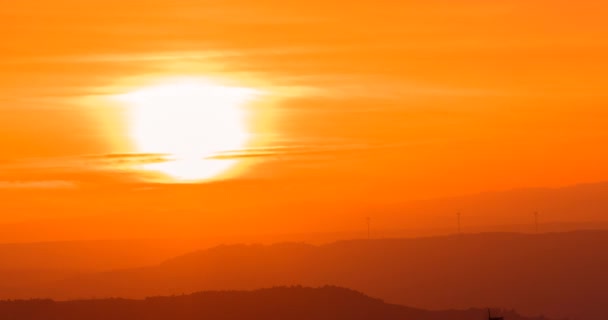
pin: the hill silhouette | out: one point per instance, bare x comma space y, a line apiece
560, 274
23, 265
563, 209
277, 303
99, 255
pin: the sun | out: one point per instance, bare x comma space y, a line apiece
189, 121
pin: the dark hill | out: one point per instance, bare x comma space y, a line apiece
560, 275
293, 303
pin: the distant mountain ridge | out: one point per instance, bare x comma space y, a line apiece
561, 209
294, 303
23, 265
569, 208
558, 274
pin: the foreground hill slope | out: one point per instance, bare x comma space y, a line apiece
277, 303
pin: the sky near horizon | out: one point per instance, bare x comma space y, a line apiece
335, 104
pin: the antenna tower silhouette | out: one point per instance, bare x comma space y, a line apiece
493, 318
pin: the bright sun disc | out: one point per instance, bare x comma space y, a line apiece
189, 121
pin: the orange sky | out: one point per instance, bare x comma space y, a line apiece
368, 102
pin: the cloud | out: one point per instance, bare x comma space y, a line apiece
126, 159
50, 184
92, 170
306, 150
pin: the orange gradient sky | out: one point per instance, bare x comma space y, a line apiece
343, 106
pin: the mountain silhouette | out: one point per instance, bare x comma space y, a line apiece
560, 209
295, 303
558, 274
563, 209
23, 265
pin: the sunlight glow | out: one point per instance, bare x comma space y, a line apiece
189, 120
